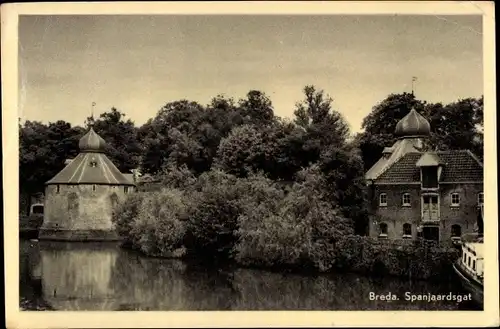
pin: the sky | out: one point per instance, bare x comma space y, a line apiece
139, 63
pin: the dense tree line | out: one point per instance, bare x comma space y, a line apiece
245, 137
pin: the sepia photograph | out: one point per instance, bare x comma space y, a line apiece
296, 161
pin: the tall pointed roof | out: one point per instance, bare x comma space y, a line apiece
91, 166
413, 124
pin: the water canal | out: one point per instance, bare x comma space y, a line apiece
96, 276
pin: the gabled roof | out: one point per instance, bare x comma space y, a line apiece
458, 166
393, 154
90, 168
429, 159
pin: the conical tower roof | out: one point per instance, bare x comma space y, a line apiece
91, 166
413, 125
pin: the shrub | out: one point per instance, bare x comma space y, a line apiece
125, 213
160, 226
295, 230
214, 209
153, 222
177, 177
419, 260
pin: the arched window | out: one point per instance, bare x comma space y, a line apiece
407, 230
73, 203
456, 231
57, 188
383, 230
114, 199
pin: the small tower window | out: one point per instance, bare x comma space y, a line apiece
93, 187
406, 200
125, 189
93, 162
57, 188
383, 200
455, 199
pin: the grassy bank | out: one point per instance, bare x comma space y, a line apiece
257, 222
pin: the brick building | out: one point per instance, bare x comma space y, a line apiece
436, 195
79, 200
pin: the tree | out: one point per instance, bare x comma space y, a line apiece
257, 108
323, 125
122, 143
43, 150
159, 141
276, 150
345, 187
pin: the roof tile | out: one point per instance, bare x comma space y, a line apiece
458, 166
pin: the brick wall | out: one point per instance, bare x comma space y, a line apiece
80, 207
465, 214
395, 215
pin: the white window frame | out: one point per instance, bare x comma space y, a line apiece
380, 203
482, 197
408, 204
455, 204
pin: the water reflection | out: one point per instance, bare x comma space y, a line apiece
93, 276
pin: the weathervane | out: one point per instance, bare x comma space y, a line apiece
413, 80
91, 121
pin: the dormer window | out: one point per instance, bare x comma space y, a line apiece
93, 162
455, 199
382, 200
430, 170
430, 177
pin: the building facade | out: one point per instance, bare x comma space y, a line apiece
79, 200
436, 195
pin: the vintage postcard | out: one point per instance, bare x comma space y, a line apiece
250, 164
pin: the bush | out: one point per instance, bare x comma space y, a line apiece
125, 214
177, 177
214, 209
418, 260
295, 230
154, 222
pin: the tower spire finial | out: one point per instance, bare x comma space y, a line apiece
413, 80
91, 122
